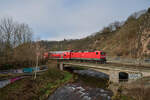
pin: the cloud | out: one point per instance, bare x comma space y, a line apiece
59, 19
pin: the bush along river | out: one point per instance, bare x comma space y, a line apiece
88, 85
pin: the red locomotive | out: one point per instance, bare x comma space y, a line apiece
98, 56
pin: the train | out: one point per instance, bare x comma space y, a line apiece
97, 55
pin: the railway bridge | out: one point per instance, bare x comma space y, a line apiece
115, 72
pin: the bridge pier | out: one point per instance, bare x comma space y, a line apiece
61, 66
114, 76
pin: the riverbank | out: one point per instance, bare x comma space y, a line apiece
39, 89
84, 84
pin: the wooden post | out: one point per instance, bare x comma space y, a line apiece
37, 58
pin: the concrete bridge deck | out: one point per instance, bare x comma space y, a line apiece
110, 67
114, 70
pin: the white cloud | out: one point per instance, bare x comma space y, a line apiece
63, 36
59, 19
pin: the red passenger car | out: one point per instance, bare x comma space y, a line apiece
59, 54
46, 55
78, 55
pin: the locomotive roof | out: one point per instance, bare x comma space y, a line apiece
85, 50
74, 51
59, 51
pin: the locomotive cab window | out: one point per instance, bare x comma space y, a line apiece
96, 53
64, 54
102, 53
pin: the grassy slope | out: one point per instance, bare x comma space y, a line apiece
39, 89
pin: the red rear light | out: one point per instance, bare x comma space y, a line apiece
45, 55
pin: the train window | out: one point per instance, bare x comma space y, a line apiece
96, 53
64, 54
102, 53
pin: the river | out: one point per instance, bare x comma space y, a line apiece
88, 85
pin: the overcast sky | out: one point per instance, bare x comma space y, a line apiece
59, 19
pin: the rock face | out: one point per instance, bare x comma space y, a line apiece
77, 92
145, 41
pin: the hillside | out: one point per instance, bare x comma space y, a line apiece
125, 39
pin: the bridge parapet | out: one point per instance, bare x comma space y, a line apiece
60, 66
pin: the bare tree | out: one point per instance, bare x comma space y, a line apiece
15, 39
